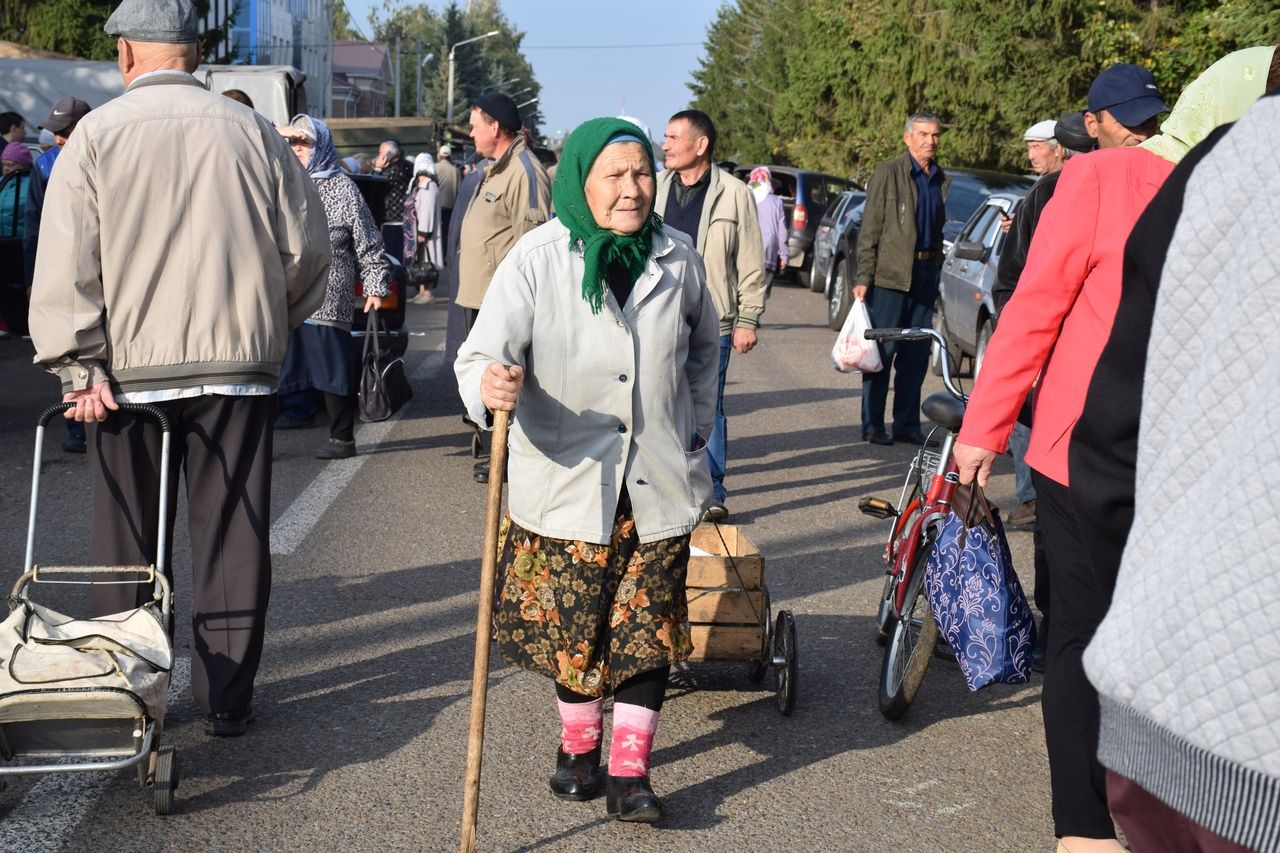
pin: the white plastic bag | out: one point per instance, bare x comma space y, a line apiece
852, 352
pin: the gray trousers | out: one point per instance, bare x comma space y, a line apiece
222, 447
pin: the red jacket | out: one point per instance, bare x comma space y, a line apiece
1060, 316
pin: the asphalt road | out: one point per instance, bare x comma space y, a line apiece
363, 696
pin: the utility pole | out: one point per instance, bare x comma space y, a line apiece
418, 80
397, 76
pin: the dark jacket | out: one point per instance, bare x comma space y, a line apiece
1014, 256
398, 175
887, 242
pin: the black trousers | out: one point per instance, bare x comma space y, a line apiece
646, 689
222, 447
1081, 595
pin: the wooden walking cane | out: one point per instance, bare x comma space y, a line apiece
484, 627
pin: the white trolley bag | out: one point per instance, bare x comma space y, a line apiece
88, 694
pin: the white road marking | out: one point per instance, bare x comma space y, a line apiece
54, 806
296, 523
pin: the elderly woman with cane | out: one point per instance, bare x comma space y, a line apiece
597, 333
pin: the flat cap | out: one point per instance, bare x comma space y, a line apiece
1041, 131
163, 21
501, 109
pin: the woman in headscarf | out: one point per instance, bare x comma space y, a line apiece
773, 224
320, 356
1055, 328
613, 394
422, 237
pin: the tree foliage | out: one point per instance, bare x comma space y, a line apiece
827, 84
74, 27
492, 64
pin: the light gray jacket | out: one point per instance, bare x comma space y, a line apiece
180, 241
618, 397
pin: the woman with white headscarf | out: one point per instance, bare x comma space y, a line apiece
422, 223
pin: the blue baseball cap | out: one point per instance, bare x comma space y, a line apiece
1128, 92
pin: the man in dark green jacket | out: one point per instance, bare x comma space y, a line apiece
899, 256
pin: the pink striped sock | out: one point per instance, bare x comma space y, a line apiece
633, 728
581, 724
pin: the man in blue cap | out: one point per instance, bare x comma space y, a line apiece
1124, 103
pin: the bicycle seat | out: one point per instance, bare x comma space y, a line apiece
944, 410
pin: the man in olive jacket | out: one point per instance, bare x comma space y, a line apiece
170, 285
719, 212
899, 258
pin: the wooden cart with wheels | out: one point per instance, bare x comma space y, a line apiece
730, 614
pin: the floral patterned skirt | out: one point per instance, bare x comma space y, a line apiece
591, 616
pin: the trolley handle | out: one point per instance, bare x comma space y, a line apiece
48, 414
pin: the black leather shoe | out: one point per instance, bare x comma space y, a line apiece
481, 472
631, 798
577, 776
878, 436
228, 723
919, 439
336, 448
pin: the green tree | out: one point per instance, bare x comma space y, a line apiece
74, 27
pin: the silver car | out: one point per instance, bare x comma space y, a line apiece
966, 313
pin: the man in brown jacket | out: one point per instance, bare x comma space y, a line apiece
513, 198
171, 285
718, 212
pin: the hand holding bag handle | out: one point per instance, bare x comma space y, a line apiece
973, 508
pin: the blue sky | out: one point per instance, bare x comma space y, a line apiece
596, 57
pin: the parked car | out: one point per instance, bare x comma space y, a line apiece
844, 266
969, 190
826, 243
805, 195
965, 314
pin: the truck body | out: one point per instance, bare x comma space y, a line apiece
30, 87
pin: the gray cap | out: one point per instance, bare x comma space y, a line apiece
165, 21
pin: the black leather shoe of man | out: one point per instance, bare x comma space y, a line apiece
878, 436
481, 472
228, 723
919, 439
577, 776
336, 449
631, 798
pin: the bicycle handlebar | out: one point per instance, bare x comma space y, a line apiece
922, 334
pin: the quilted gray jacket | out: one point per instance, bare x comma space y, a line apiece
1187, 661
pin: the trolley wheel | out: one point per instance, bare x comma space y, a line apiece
166, 779
784, 648
911, 643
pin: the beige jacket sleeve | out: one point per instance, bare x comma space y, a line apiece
67, 302
750, 261
302, 234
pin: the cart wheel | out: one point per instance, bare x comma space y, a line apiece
166, 779
784, 647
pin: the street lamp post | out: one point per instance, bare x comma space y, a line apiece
449, 111
422, 64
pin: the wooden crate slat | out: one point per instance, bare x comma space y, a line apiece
726, 607
726, 642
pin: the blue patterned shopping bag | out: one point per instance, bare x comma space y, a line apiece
975, 596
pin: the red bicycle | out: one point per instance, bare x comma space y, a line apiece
908, 631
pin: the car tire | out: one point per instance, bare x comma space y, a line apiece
980, 349
936, 352
816, 283
841, 299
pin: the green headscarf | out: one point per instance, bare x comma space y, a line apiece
599, 247
1219, 96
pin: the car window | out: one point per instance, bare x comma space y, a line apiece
992, 229
976, 230
964, 197
817, 191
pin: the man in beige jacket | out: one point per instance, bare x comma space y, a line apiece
513, 199
719, 212
160, 281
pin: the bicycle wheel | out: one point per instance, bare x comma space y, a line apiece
902, 529
911, 641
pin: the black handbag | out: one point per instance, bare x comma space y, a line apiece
384, 388
421, 272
